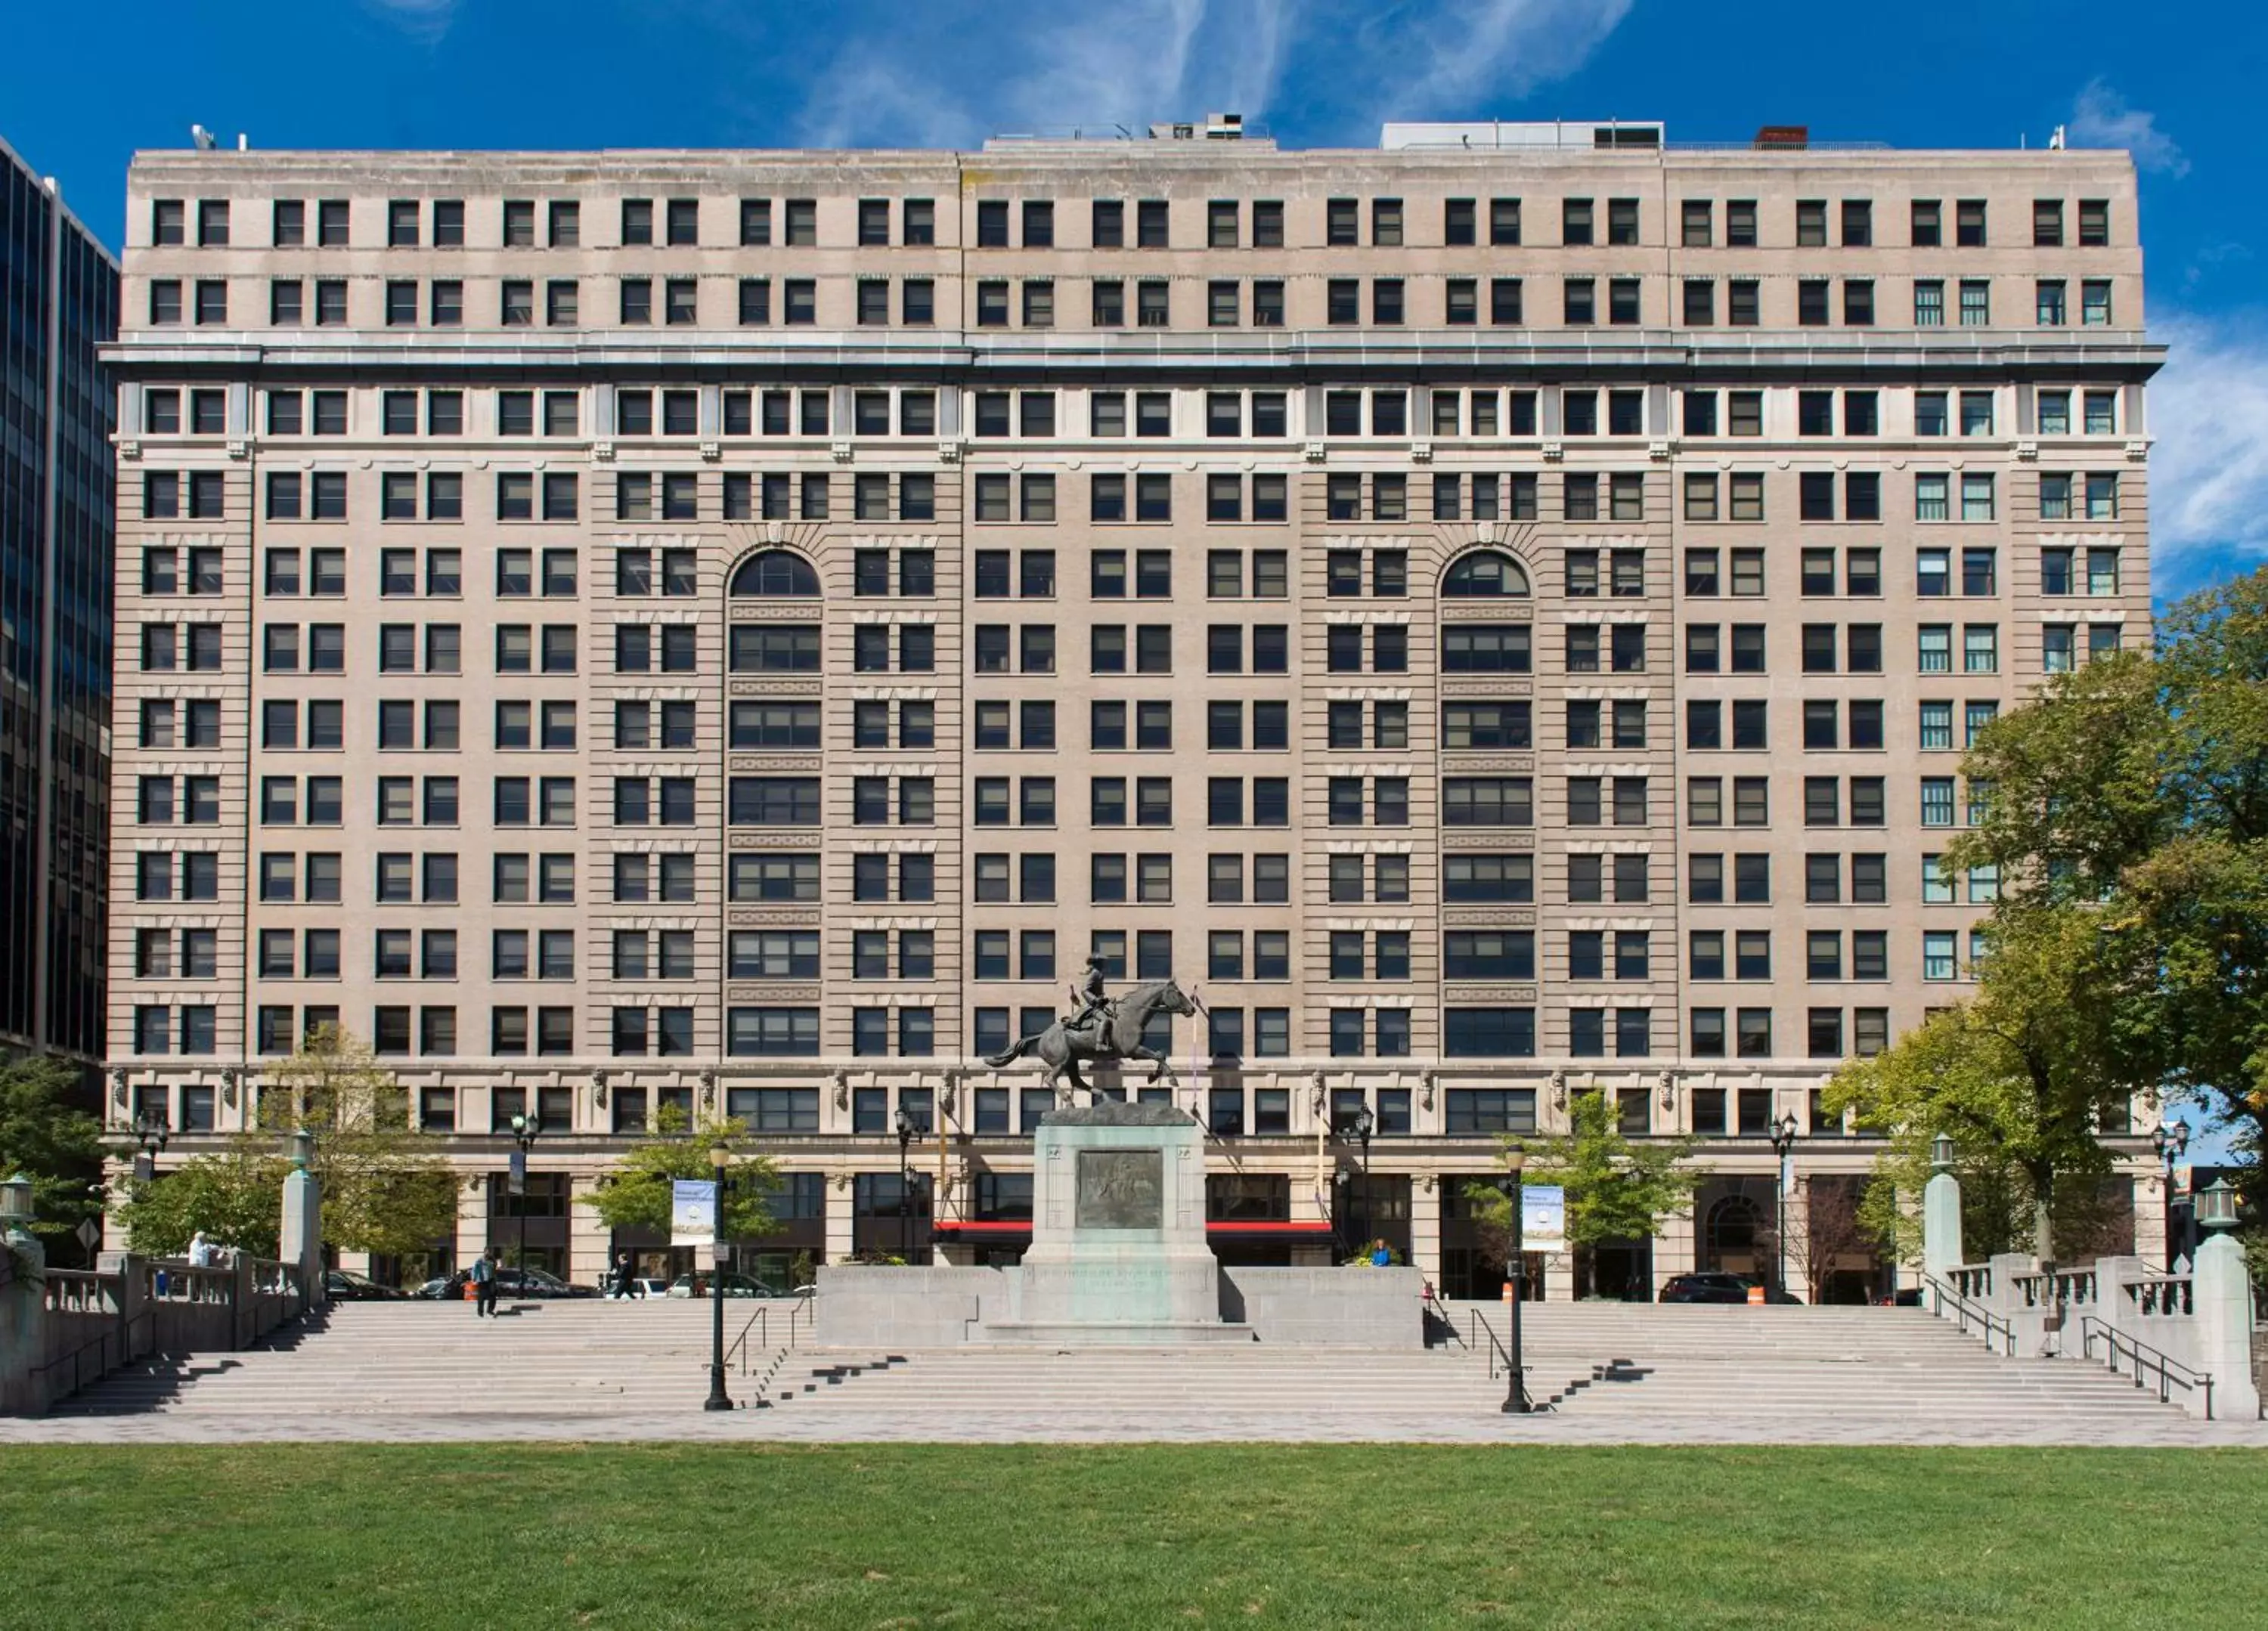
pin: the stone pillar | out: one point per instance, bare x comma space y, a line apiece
1941, 1224
24, 1327
588, 1238
2221, 1293
472, 1220
300, 1243
2150, 1242
1425, 1227
1674, 1250
839, 1202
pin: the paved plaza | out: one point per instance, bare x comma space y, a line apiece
589, 1371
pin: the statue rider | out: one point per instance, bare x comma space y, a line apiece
1093, 1004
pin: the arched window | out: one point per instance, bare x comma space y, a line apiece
1734, 1223
1484, 574
774, 574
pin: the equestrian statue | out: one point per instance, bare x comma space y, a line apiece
1105, 1031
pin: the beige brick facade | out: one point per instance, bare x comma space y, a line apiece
1364, 668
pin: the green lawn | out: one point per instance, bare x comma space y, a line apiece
372, 1536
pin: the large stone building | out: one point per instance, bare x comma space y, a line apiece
58, 304
1499, 616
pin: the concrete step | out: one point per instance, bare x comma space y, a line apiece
1706, 1368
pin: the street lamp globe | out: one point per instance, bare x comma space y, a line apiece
1941, 1153
2216, 1205
1514, 1160
16, 1201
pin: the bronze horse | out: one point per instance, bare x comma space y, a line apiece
1117, 1038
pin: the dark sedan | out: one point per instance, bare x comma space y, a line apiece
343, 1285
1717, 1287
528, 1283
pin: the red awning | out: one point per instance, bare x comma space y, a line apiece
1313, 1229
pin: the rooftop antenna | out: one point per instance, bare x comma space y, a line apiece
204, 139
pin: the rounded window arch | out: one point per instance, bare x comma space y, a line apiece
776, 574
1733, 1224
1484, 575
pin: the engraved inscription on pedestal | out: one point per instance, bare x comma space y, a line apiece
1121, 1189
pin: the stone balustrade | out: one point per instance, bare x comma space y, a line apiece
2122, 1312
65, 1328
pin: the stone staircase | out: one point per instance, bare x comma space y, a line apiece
1719, 1365
1667, 1372
565, 1358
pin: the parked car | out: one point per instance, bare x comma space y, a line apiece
525, 1283
734, 1284
1904, 1296
1706, 1286
343, 1285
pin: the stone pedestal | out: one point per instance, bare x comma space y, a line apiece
301, 1239
2222, 1291
1118, 1251
1940, 1226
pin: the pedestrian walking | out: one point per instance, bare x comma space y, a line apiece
484, 1285
622, 1277
201, 1251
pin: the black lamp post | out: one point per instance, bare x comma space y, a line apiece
151, 1135
2172, 1138
1364, 1124
720, 1161
905, 1198
525, 1129
1515, 1396
1783, 1140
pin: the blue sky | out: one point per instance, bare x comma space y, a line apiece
83, 86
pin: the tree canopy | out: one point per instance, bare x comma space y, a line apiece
2023, 1076
385, 1188
2136, 790
235, 1198
637, 1194
1615, 1189
51, 1138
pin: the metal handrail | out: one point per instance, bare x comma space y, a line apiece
1965, 1310
2145, 1358
760, 1318
740, 1345
1496, 1350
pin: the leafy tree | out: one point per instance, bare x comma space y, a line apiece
637, 1194
2139, 785
1831, 1226
49, 1137
384, 1189
1616, 1190
2021, 1077
235, 1197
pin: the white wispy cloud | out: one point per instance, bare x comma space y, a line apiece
1497, 48
424, 20
2100, 118
951, 74
2209, 458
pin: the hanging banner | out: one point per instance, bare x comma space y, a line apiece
692, 1211
1542, 1217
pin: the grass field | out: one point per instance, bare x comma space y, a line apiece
371, 1536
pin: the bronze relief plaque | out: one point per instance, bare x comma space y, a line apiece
1122, 1189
